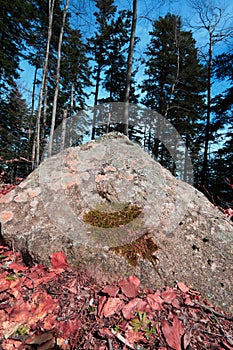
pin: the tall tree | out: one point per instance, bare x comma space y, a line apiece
14, 146
57, 79
36, 145
213, 20
129, 67
14, 24
174, 85
105, 13
221, 160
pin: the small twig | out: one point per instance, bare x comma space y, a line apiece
110, 344
216, 313
13, 250
122, 339
65, 318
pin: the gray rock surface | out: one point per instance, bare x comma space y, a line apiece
176, 235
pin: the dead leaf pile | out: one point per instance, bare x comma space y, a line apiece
60, 308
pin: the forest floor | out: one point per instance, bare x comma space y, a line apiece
61, 308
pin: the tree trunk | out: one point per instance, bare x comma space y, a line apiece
204, 175
63, 133
96, 101
52, 127
129, 69
36, 145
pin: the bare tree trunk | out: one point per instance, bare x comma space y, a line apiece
71, 124
36, 146
96, 101
32, 119
63, 133
33, 103
129, 69
43, 131
204, 175
57, 80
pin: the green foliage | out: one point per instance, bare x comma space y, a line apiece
14, 141
22, 331
12, 277
14, 24
142, 323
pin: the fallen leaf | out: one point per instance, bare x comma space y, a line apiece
129, 286
186, 340
155, 301
17, 267
182, 287
189, 302
110, 290
112, 306
173, 333
58, 260
168, 295
132, 307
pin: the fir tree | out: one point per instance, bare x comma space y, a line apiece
174, 85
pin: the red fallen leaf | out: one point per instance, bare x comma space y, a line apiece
112, 306
17, 267
21, 311
43, 305
173, 333
132, 307
9, 344
155, 301
186, 340
189, 302
176, 303
58, 260
182, 287
110, 290
129, 286
169, 295
69, 328
4, 285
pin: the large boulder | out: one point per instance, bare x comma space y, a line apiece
116, 212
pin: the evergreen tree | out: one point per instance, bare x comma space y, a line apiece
109, 48
116, 57
174, 86
75, 71
221, 161
14, 146
105, 13
14, 24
